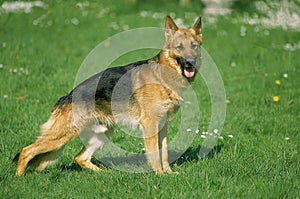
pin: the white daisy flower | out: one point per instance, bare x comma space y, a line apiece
287, 138
75, 21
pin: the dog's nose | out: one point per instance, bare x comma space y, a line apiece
191, 60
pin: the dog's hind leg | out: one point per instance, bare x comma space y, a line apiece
40, 162
84, 158
43, 152
93, 139
56, 132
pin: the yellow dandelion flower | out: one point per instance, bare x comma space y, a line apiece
276, 98
93, 5
20, 97
188, 102
277, 82
106, 44
227, 101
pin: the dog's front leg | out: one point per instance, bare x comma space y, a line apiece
164, 149
150, 133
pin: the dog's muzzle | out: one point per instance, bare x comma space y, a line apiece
188, 66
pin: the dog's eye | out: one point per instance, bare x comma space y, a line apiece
180, 47
194, 46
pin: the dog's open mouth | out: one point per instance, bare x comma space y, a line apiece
189, 72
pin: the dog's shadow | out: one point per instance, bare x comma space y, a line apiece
197, 154
137, 163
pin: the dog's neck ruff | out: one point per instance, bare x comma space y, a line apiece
167, 60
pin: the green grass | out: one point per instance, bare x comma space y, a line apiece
256, 163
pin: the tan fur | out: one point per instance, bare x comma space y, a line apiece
157, 89
56, 132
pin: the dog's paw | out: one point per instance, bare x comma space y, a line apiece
169, 171
159, 172
173, 173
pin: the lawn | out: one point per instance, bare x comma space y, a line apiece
258, 154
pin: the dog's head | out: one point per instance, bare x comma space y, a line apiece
183, 45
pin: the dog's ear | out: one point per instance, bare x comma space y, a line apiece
170, 26
198, 27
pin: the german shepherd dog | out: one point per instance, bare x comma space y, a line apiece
153, 91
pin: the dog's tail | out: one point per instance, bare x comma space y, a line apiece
56, 132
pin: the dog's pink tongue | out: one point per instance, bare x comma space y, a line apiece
189, 74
